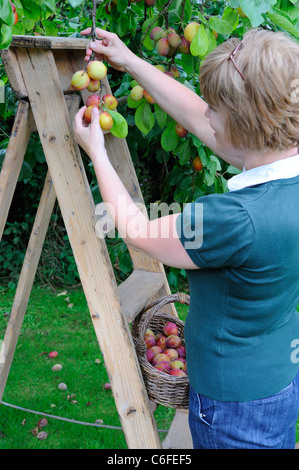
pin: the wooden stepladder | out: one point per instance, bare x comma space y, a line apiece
39, 70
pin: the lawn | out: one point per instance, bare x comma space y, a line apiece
59, 321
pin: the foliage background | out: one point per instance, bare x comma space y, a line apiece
163, 161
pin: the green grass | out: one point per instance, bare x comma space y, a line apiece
61, 323
51, 324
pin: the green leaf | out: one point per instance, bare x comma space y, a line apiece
216, 160
161, 116
170, 139
120, 125
221, 26
188, 63
144, 118
28, 24
233, 170
212, 41
283, 22
200, 43
231, 15
6, 13
185, 152
50, 28
50, 4
122, 5
5, 36
254, 9
31, 10
134, 104
176, 10
148, 43
76, 3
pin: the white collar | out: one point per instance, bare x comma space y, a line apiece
281, 169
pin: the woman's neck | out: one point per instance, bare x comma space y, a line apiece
256, 159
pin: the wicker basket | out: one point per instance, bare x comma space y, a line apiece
162, 388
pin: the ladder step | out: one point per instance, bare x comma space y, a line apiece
138, 290
179, 427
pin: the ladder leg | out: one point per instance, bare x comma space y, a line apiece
90, 252
22, 128
26, 280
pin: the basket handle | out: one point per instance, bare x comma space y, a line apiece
180, 297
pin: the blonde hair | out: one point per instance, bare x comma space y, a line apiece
261, 111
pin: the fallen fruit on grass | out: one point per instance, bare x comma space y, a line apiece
170, 328
110, 101
42, 422
96, 70
80, 80
42, 435
106, 121
62, 386
56, 367
53, 354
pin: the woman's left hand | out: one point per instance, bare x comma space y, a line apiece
91, 137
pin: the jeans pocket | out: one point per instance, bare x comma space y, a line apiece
207, 410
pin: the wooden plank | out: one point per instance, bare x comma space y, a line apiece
26, 280
49, 42
91, 254
13, 72
138, 290
179, 435
14, 157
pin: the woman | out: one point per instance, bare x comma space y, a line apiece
242, 328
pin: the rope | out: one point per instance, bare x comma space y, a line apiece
67, 419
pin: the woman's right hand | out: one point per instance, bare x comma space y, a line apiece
109, 48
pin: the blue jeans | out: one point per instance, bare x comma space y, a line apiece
269, 423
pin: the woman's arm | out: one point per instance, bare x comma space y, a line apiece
181, 103
157, 238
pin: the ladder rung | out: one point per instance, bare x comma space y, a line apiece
138, 290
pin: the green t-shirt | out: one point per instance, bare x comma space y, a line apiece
242, 324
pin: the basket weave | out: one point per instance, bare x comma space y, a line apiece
163, 389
